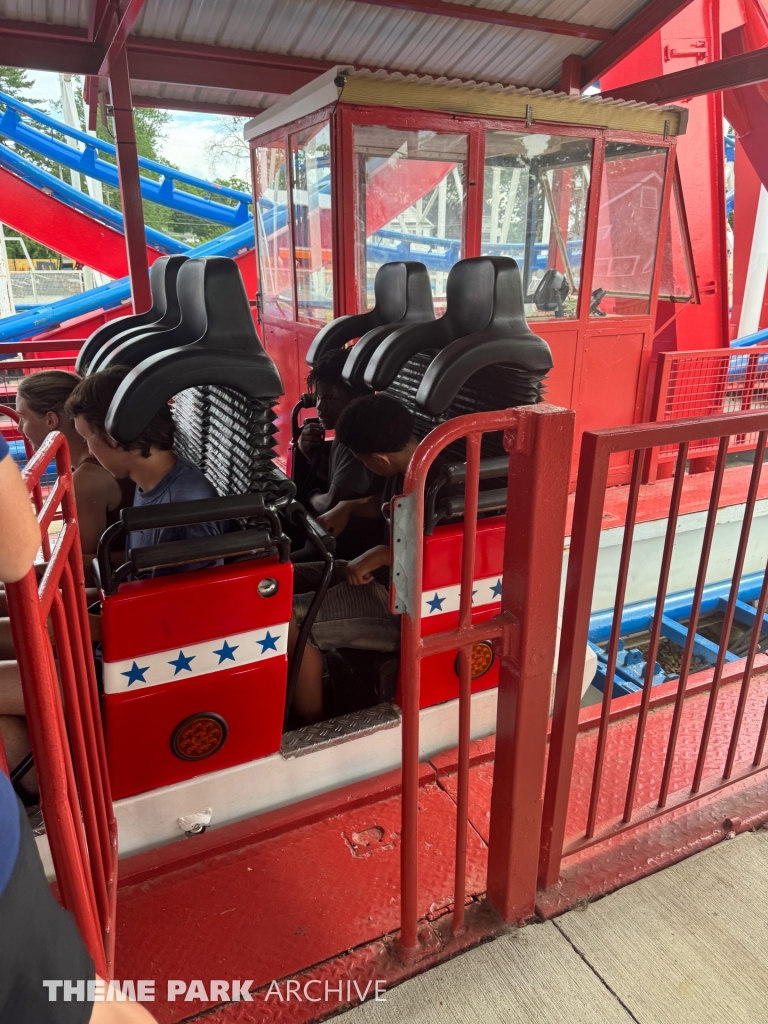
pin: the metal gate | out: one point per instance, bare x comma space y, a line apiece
61, 700
675, 748
539, 441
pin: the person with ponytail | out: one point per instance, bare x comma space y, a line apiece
40, 402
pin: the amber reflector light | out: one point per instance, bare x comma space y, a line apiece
199, 736
482, 659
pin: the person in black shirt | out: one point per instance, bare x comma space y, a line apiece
355, 612
344, 476
336, 475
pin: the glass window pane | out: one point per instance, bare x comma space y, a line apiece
275, 277
312, 225
410, 203
676, 282
534, 209
627, 228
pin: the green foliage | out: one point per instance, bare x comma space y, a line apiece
239, 184
16, 82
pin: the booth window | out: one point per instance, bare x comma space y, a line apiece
312, 225
411, 201
273, 243
677, 280
534, 209
627, 229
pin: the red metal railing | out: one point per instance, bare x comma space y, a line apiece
63, 715
664, 772
539, 441
711, 382
37, 491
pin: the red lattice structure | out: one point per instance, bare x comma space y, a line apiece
711, 382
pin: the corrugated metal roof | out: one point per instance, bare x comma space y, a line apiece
201, 94
345, 32
340, 31
443, 93
73, 13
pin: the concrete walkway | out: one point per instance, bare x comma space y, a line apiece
688, 945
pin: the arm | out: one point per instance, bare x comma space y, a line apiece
119, 1013
95, 491
19, 530
335, 494
336, 519
360, 570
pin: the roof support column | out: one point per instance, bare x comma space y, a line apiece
570, 76
130, 184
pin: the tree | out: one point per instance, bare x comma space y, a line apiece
17, 83
228, 150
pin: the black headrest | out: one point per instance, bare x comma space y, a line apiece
224, 350
403, 294
551, 292
131, 346
107, 331
484, 325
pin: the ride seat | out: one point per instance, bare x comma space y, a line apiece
480, 356
132, 346
223, 383
195, 663
161, 314
403, 295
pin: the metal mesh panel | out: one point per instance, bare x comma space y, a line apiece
45, 285
712, 383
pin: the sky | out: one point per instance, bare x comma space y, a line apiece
187, 133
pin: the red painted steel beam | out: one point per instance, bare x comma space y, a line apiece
570, 75
115, 41
167, 103
649, 20
49, 221
728, 73
96, 12
539, 465
130, 183
506, 19
220, 67
64, 50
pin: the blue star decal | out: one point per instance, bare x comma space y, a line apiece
226, 653
496, 588
436, 604
183, 661
269, 642
473, 596
136, 674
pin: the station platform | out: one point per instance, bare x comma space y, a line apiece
654, 498
687, 945
310, 894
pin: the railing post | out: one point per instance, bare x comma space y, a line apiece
130, 183
540, 457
